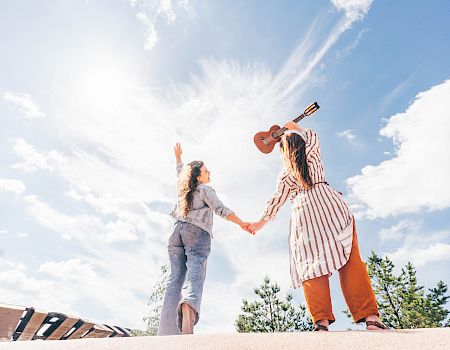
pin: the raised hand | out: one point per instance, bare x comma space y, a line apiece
178, 151
292, 126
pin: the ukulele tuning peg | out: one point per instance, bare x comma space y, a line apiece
311, 109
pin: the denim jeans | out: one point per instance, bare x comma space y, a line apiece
188, 247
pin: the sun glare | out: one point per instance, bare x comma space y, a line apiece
103, 86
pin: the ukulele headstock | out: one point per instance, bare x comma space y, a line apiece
311, 109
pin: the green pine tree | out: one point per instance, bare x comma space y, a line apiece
402, 301
155, 303
271, 314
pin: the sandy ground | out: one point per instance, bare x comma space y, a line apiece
437, 338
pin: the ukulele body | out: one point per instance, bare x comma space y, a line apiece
265, 141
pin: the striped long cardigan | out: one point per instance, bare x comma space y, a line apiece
321, 229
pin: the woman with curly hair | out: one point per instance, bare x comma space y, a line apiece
189, 246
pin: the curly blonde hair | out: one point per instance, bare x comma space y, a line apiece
187, 184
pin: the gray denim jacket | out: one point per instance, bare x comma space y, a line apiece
204, 203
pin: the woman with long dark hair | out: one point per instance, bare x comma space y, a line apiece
322, 234
189, 246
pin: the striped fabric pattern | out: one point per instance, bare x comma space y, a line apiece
321, 228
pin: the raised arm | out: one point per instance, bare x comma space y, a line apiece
178, 151
312, 142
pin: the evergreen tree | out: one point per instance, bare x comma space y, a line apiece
402, 301
155, 303
270, 313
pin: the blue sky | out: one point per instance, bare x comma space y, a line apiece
94, 94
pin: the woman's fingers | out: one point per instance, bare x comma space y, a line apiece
245, 226
177, 149
290, 125
253, 227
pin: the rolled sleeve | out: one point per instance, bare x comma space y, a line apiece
215, 203
180, 167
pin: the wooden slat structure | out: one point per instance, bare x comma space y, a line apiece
81, 330
63, 329
18, 323
33, 325
99, 331
10, 316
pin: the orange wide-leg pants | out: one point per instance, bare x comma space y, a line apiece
355, 285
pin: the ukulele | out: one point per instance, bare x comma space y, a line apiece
266, 140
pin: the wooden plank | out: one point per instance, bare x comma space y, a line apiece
117, 332
78, 333
64, 327
99, 331
9, 318
126, 331
33, 325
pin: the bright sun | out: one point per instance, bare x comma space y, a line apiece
103, 86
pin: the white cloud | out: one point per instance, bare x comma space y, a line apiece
350, 47
72, 269
8, 264
166, 7
26, 105
422, 256
120, 231
22, 235
399, 230
419, 246
19, 280
354, 9
347, 134
79, 227
302, 62
12, 185
3, 232
16, 287
396, 91
33, 159
148, 12
151, 37
416, 178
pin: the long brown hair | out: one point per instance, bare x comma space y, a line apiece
293, 149
187, 184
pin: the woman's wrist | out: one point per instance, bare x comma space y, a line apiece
299, 128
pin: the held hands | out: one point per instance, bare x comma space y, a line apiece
252, 227
256, 226
245, 226
178, 151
